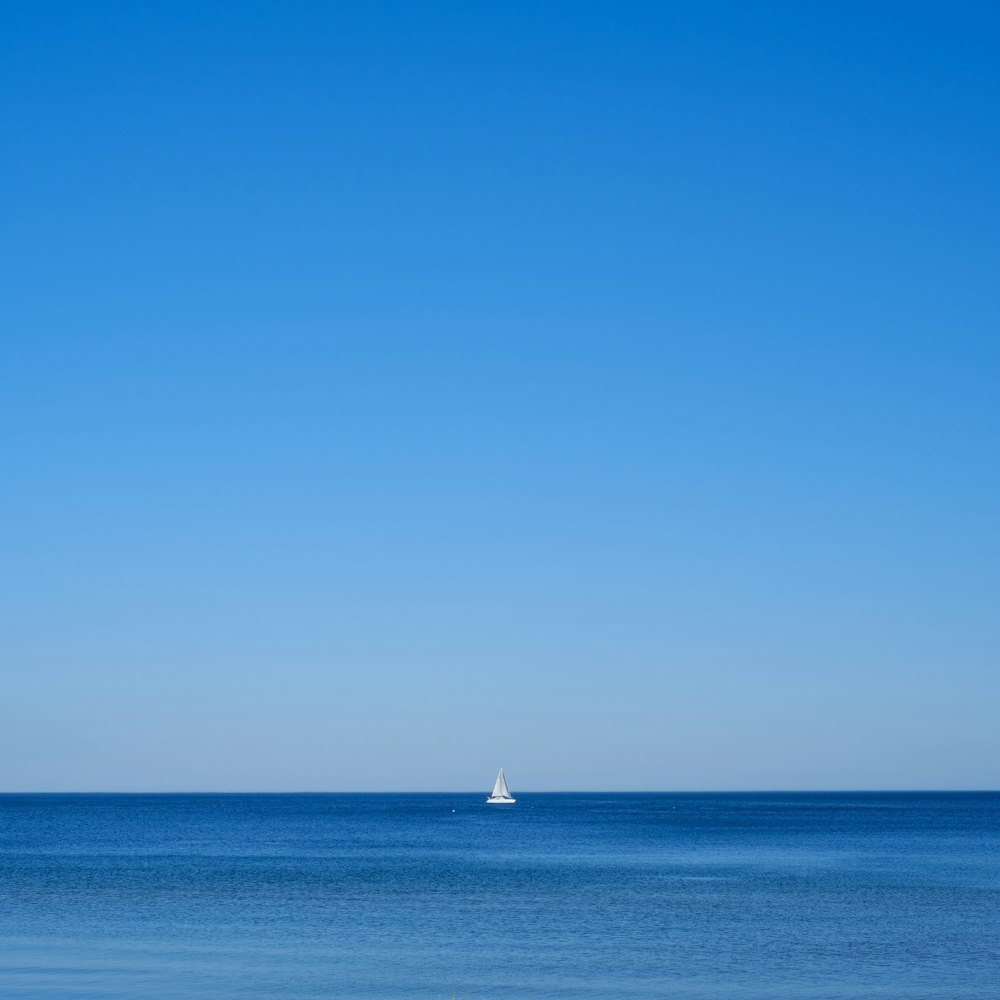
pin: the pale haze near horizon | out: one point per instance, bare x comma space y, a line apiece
610, 394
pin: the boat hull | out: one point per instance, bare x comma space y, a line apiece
498, 801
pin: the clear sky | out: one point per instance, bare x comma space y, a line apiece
391, 391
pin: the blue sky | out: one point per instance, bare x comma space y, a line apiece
394, 391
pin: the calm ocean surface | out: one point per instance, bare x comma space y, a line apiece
561, 896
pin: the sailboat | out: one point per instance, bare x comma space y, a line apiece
501, 793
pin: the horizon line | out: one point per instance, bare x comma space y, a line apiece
554, 791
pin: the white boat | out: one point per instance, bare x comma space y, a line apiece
501, 793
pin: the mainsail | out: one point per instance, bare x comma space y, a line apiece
500, 789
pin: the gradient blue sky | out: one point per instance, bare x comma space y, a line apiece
393, 391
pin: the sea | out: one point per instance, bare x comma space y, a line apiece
815, 896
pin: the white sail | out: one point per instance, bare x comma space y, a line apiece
500, 789
501, 793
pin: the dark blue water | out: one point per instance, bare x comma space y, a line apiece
561, 896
